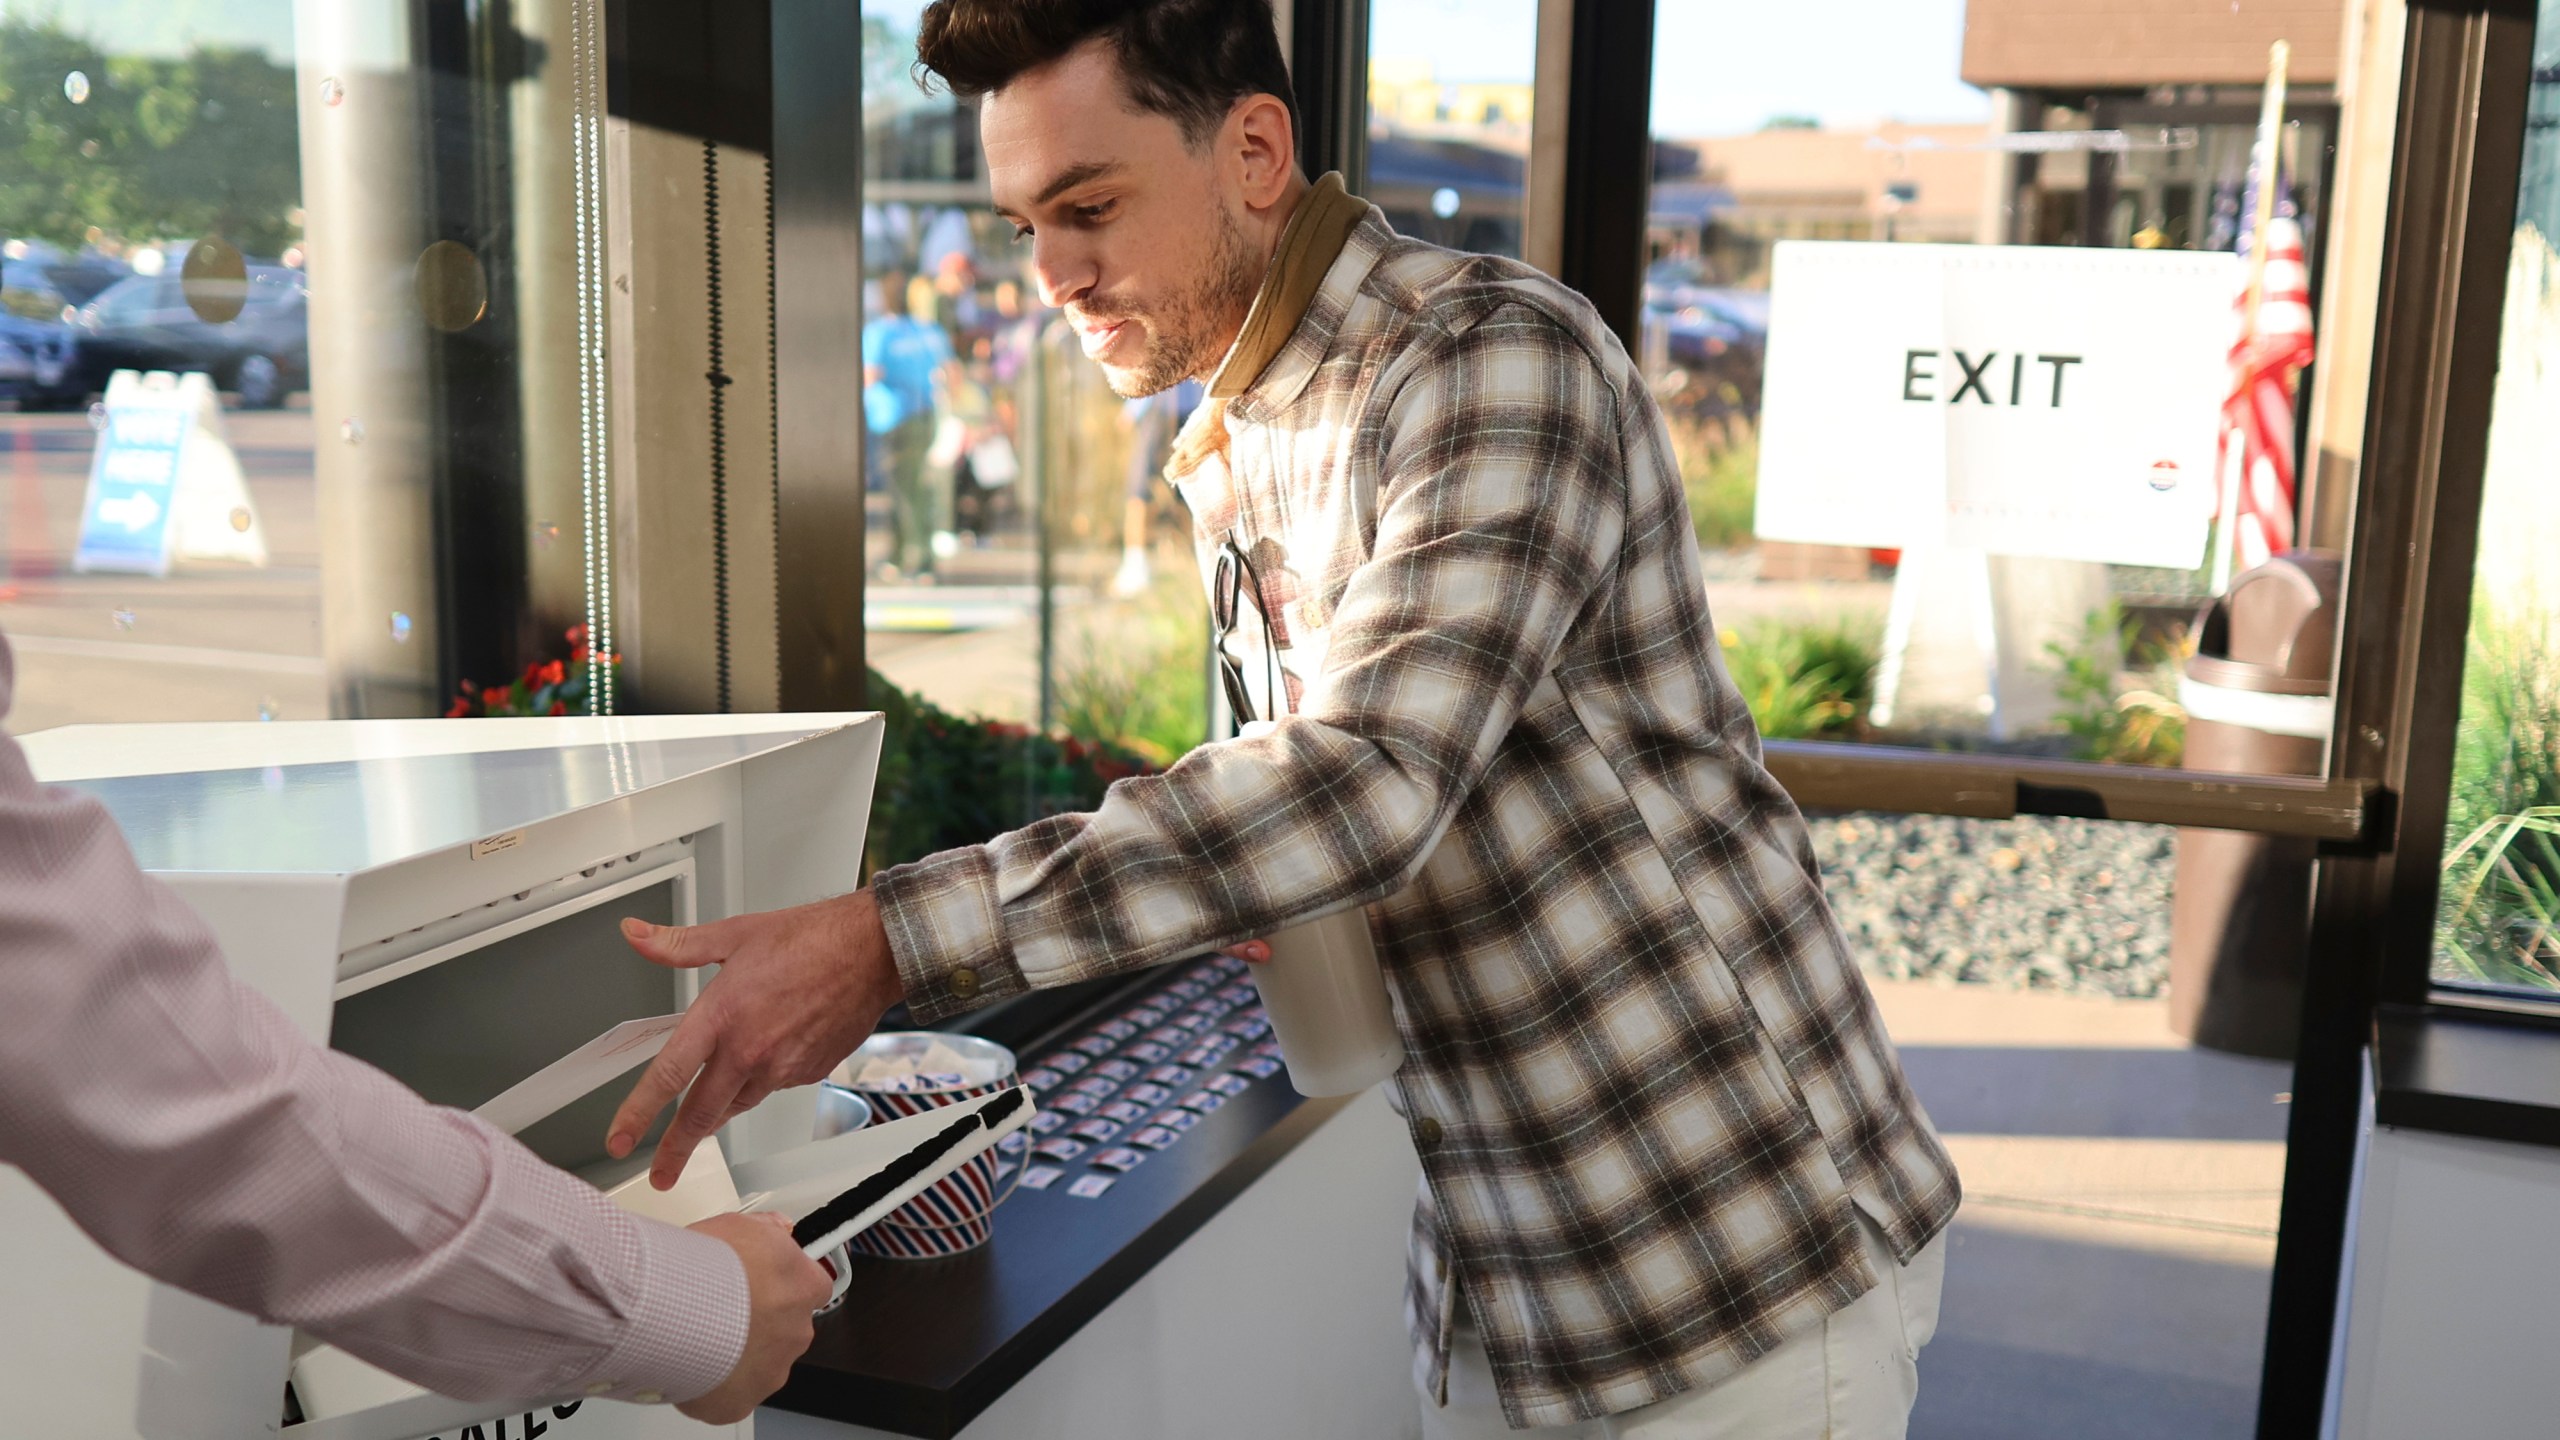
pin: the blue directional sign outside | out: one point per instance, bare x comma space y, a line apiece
133, 488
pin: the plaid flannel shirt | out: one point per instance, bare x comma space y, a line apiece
1649, 1089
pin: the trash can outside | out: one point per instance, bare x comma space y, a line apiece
2257, 697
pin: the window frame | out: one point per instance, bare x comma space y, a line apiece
2413, 537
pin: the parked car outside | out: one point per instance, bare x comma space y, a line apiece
39, 354
262, 354
1715, 338
83, 277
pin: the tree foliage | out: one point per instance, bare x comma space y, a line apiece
203, 144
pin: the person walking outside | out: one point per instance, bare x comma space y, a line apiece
1676, 1183
904, 356
1151, 421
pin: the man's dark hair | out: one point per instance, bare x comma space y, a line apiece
1190, 60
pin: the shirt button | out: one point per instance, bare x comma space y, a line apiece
648, 1397
964, 983
602, 1386
1426, 1133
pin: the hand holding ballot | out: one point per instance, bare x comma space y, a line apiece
784, 1286
798, 989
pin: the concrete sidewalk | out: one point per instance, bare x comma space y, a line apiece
2108, 1274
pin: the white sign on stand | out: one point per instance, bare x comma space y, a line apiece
163, 483
2016, 400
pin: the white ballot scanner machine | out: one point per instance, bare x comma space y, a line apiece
441, 899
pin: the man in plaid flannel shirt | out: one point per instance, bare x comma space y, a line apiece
1673, 1174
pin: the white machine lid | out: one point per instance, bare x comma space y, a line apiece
340, 816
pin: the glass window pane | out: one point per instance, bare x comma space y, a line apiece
1451, 96
1032, 599
292, 328
1945, 339
2500, 909
143, 146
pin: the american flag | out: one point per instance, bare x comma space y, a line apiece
2257, 416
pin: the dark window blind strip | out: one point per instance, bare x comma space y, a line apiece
719, 381
773, 385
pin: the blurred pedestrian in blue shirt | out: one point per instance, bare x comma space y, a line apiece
902, 356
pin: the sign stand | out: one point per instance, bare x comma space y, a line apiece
1941, 649
163, 482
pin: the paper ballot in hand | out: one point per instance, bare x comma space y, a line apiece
831, 1187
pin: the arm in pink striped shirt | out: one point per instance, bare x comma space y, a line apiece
186, 1125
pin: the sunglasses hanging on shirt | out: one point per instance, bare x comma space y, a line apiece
1234, 573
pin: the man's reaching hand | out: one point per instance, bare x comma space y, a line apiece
798, 989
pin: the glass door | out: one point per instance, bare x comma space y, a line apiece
1948, 338
1452, 105
2499, 930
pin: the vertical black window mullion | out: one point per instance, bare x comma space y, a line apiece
2455, 172
1608, 178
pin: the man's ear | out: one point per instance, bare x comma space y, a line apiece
1264, 146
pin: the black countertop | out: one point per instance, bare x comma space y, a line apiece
2480, 1073
921, 1347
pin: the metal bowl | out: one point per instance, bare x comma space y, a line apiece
839, 1110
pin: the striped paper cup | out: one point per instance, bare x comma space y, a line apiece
956, 1213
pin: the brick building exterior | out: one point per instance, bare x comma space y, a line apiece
2138, 44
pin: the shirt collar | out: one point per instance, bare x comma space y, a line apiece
1287, 331
1308, 248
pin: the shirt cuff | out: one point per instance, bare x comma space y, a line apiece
689, 1327
946, 933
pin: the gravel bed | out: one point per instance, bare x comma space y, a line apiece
2078, 906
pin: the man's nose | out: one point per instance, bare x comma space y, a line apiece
1063, 270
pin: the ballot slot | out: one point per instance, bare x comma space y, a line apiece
463, 1023
380, 961
463, 1030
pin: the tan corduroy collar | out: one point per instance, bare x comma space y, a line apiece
1308, 247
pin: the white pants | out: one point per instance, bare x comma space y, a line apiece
1851, 1378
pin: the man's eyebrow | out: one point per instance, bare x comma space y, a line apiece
1075, 175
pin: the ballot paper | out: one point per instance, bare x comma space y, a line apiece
939, 1067
617, 1051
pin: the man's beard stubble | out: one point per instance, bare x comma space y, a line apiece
1191, 333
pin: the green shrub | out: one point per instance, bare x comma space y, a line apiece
2109, 723
1805, 680
947, 780
1722, 478
2503, 867
2501, 902
1136, 673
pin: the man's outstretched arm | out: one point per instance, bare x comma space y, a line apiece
1501, 510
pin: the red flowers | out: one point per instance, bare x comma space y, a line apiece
547, 687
